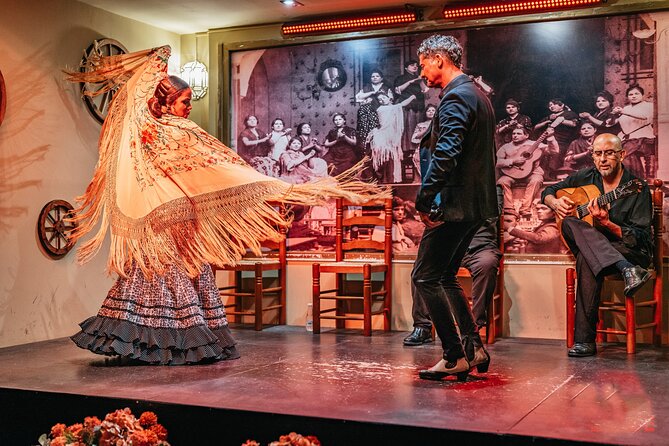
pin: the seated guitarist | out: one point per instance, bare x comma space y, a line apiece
519, 160
620, 239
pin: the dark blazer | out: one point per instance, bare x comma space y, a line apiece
457, 157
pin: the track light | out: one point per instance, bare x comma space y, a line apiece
363, 22
511, 7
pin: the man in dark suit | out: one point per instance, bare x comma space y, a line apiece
456, 196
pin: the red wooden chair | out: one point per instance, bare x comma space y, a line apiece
273, 259
630, 305
357, 252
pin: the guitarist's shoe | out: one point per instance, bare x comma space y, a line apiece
582, 349
634, 277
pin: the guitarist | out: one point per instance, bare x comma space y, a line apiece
510, 156
619, 240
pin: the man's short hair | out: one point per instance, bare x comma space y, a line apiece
410, 62
447, 46
523, 128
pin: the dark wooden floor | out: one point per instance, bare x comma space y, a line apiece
342, 387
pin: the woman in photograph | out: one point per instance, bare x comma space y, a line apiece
636, 124
418, 133
252, 142
564, 121
367, 118
174, 200
298, 166
309, 142
278, 139
579, 155
341, 143
385, 141
603, 120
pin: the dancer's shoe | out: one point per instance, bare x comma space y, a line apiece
442, 369
481, 360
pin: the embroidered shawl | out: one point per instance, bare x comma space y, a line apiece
170, 193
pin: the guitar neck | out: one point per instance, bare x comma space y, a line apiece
602, 200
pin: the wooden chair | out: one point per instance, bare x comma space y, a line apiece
630, 305
495, 325
354, 237
273, 259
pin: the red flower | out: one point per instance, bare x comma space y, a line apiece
75, 429
148, 419
90, 422
58, 441
160, 431
143, 438
57, 430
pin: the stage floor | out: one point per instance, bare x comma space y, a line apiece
533, 391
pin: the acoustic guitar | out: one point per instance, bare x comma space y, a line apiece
583, 195
528, 153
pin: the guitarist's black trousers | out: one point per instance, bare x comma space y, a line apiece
596, 256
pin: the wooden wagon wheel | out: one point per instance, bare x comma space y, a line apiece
3, 98
53, 230
98, 106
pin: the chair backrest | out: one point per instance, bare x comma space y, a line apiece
271, 248
658, 224
358, 228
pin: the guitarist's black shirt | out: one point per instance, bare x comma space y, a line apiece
632, 213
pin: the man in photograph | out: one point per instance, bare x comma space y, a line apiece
519, 161
456, 196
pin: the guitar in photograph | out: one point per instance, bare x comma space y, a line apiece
528, 154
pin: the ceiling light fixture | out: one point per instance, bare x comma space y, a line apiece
364, 22
291, 3
511, 7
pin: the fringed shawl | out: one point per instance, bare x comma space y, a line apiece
171, 193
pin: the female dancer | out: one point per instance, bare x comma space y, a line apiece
175, 200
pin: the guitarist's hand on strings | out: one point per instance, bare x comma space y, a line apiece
601, 217
562, 206
601, 214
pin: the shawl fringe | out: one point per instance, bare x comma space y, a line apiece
192, 229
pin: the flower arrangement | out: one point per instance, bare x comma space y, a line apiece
119, 428
292, 439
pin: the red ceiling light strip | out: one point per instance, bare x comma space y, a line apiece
513, 7
358, 23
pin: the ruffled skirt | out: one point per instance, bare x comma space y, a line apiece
167, 320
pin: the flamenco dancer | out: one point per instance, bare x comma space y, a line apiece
175, 200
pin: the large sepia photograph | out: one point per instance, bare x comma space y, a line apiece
306, 111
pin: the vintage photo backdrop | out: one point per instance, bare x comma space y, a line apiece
304, 111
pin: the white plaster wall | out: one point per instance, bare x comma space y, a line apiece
48, 149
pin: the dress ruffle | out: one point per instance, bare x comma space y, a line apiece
165, 346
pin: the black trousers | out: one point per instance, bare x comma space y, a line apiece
483, 266
596, 256
435, 279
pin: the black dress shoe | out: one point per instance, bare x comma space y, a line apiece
581, 349
419, 336
635, 277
